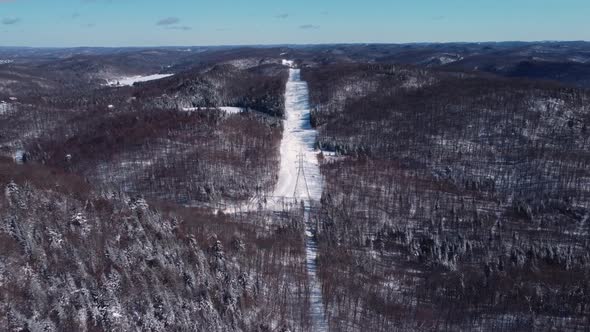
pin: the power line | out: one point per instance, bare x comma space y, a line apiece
301, 173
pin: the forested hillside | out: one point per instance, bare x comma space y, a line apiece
75, 259
454, 202
454, 181
143, 140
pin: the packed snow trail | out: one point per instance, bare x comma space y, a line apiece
300, 178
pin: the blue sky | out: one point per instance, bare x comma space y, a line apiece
222, 22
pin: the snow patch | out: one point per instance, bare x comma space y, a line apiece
442, 59
579, 59
288, 63
138, 204
19, 157
11, 189
4, 107
78, 219
226, 109
130, 80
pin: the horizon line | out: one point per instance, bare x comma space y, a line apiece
305, 44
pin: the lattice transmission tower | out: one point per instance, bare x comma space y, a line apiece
301, 175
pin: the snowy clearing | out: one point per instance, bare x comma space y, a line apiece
299, 173
130, 80
300, 178
226, 109
288, 63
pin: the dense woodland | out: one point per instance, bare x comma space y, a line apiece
75, 259
455, 202
260, 87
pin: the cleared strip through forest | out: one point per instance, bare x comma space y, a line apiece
299, 177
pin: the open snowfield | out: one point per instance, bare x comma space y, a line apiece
130, 80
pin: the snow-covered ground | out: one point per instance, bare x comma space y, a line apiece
5, 107
299, 173
298, 146
579, 59
297, 149
5, 61
226, 109
130, 80
318, 315
19, 156
288, 63
300, 178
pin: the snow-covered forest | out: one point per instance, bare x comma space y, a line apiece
455, 201
302, 188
